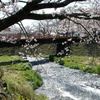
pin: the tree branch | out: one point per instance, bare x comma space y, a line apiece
60, 16
24, 13
36, 1
6, 22
34, 6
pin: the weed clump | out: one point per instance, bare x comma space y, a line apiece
24, 66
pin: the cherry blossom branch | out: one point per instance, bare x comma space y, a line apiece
61, 16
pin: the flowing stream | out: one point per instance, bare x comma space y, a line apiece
61, 83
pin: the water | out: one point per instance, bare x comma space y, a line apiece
61, 83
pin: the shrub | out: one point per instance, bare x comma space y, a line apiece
61, 62
51, 58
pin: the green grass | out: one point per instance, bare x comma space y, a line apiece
85, 57
84, 63
84, 49
32, 77
20, 78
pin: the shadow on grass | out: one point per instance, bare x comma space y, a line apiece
40, 61
11, 62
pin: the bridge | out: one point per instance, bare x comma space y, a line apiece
61, 41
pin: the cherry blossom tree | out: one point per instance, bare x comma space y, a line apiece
81, 16
13, 13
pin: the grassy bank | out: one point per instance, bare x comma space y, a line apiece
84, 63
17, 79
85, 57
44, 49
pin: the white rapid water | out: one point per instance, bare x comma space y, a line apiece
61, 83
